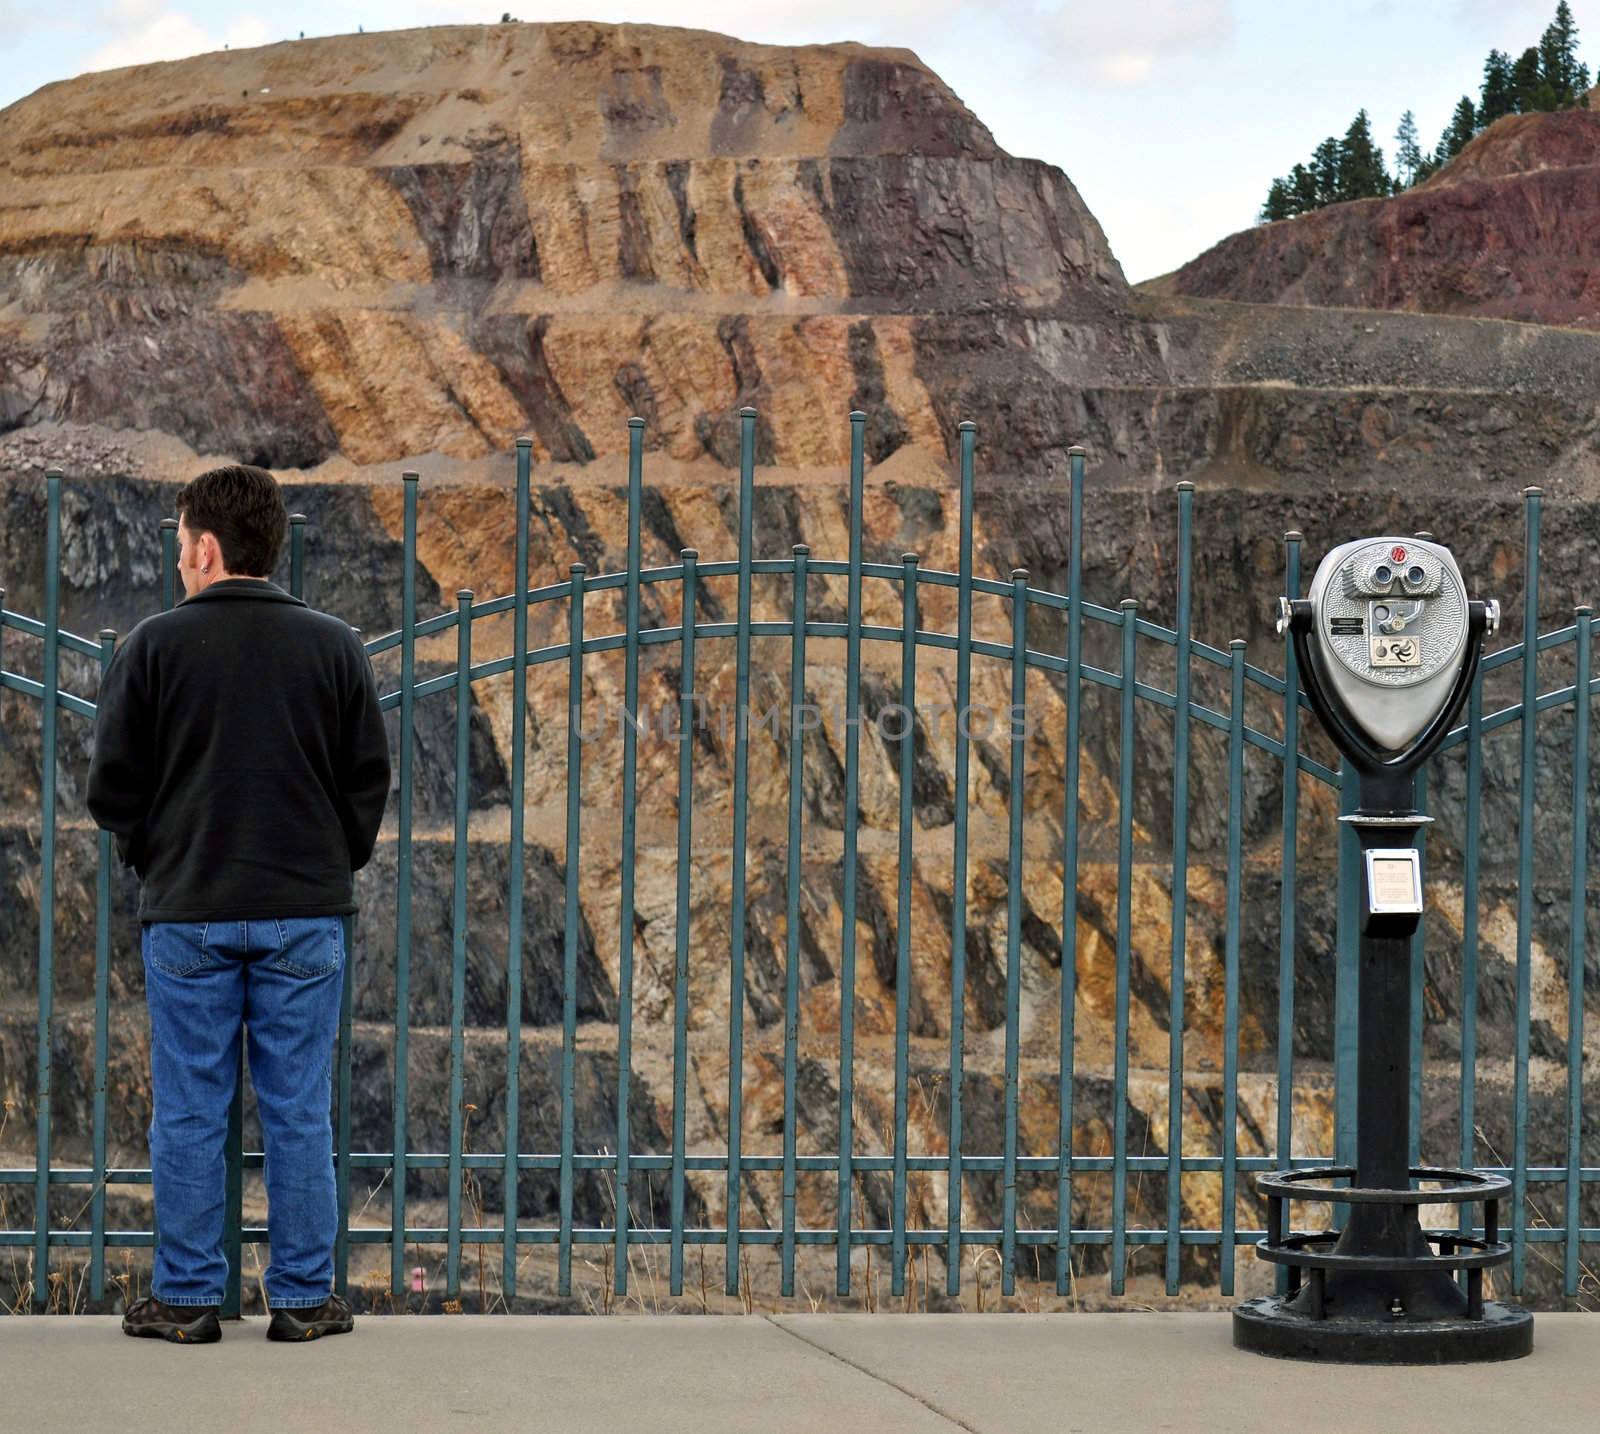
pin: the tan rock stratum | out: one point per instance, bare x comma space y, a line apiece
435, 240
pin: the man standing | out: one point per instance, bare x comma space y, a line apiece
240, 761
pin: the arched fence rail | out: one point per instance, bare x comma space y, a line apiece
1244, 682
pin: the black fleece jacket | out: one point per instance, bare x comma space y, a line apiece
240, 758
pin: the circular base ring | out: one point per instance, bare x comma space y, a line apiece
1266, 1327
1461, 1187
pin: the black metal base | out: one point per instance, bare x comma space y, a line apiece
1267, 1327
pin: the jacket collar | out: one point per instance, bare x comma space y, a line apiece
245, 588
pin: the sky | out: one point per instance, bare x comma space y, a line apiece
1170, 116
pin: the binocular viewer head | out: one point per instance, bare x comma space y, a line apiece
1387, 630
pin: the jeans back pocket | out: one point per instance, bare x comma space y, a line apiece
309, 945
177, 948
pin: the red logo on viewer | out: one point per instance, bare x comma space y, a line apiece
1398, 554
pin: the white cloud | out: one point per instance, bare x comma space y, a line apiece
169, 36
150, 33
18, 17
1126, 68
1121, 43
128, 14
894, 22
1474, 11
246, 31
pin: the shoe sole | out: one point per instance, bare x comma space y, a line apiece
200, 1332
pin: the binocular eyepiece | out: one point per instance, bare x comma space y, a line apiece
1413, 577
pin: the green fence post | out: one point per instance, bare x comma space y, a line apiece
741, 750
233, 1174
341, 1242
573, 914
1014, 799
1127, 681
344, 1054
1525, 842
402, 954
852, 778
793, 877
1469, 944
906, 858
1069, 871
958, 881
680, 971
1286, 885
1582, 633
1230, 979
519, 742
630, 736
169, 564
1347, 975
1180, 892
102, 977
45, 1034
458, 945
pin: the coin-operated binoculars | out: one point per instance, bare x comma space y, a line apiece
1388, 644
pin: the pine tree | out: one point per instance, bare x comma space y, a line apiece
1558, 57
1407, 152
1497, 98
1277, 205
1302, 190
1462, 126
1361, 171
1525, 79
1325, 171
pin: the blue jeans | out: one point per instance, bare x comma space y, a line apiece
278, 982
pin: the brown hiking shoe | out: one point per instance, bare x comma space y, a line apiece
182, 1324
332, 1316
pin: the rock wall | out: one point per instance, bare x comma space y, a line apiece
433, 241
348, 257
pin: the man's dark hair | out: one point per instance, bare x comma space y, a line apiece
242, 507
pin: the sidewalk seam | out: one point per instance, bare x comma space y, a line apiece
927, 1404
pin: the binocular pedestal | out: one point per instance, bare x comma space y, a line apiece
1383, 1290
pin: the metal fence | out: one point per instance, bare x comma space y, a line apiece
1132, 636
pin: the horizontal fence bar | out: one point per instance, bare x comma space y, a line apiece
1050, 662
713, 1235
1026, 1164
649, 637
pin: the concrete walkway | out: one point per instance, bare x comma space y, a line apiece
778, 1374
